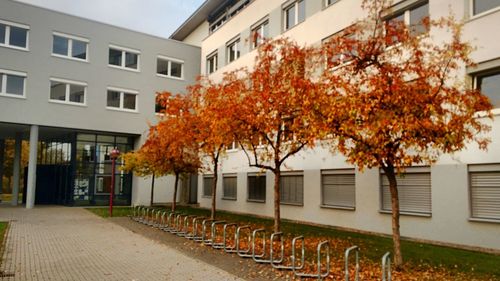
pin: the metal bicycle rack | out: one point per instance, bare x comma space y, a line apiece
184, 225
243, 253
225, 246
157, 220
386, 267
347, 252
177, 224
168, 226
294, 242
214, 244
152, 217
260, 257
194, 233
320, 275
203, 239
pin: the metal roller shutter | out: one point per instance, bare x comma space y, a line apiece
414, 193
292, 189
339, 188
229, 187
485, 194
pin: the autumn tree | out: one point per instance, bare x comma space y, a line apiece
139, 163
393, 96
214, 124
271, 111
170, 147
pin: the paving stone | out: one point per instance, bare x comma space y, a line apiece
62, 243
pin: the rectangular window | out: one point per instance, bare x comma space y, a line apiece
12, 83
229, 184
294, 14
489, 84
212, 63
168, 67
123, 58
257, 187
69, 46
480, 6
414, 190
329, 2
411, 16
292, 189
66, 91
233, 50
208, 182
484, 183
122, 99
14, 35
260, 33
338, 188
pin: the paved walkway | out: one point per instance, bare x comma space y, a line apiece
61, 243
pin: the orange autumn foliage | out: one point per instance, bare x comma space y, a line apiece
392, 99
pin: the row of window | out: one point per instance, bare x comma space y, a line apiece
338, 190
13, 83
295, 13
67, 46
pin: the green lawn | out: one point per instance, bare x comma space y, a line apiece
104, 211
372, 246
3, 228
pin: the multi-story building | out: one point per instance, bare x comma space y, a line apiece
456, 201
78, 88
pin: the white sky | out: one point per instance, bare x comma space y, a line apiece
157, 17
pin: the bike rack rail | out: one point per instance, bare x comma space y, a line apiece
204, 239
177, 226
240, 252
294, 242
169, 223
229, 249
260, 257
156, 222
216, 245
151, 221
185, 226
320, 275
347, 252
386, 267
194, 233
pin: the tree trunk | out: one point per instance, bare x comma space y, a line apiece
214, 188
151, 198
396, 237
175, 191
277, 219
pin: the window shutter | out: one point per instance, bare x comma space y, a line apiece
207, 186
339, 188
485, 194
229, 187
292, 189
414, 191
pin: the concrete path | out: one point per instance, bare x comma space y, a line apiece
62, 243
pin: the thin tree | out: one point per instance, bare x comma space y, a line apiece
392, 97
214, 131
272, 110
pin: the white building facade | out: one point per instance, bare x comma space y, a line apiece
456, 201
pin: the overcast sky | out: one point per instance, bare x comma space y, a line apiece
158, 17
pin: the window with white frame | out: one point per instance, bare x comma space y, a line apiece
12, 83
233, 50
229, 186
66, 91
123, 58
257, 187
338, 188
122, 99
168, 67
329, 2
484, 191
488, 82
212, 63
414, 190
14, 35
294, 14
208, 182
260, 33
481, 6
69, 46
292, 189
412, 16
